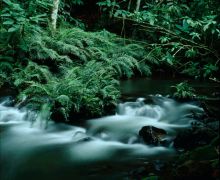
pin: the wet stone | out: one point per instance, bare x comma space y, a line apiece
151, 135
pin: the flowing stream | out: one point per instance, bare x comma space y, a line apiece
104, 148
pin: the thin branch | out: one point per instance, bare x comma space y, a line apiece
178, 51
215, 80
138, 5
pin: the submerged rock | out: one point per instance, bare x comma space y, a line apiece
151, 135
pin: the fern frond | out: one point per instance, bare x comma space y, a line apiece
145, 69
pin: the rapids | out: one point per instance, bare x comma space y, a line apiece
28, 150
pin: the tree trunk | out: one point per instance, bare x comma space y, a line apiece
129, 5
54, 14
138, 5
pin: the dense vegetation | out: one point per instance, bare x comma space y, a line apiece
180, 35
51, 58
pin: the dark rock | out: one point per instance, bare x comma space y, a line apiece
211, 108
151, 135
190, 139
148, 170
213, 125
206, 153
194, 169
216, 94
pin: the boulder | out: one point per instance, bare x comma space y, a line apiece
151, 135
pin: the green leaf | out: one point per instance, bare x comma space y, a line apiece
6, 15
164, 39
7, 2
190, 53
169, 58
209, 69
195, 35
13, 29
206, 27
20, 19
8, 22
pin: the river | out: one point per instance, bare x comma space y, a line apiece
103, 148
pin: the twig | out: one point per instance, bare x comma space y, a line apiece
214, 79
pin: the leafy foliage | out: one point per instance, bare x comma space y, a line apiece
75, 46
183, 90
70, 70
179, 29
89, 88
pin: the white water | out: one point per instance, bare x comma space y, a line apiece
29, 151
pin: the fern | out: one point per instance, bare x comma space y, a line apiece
88, 66
90, 87
79, 47
32, 72
124, 65
145, 69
